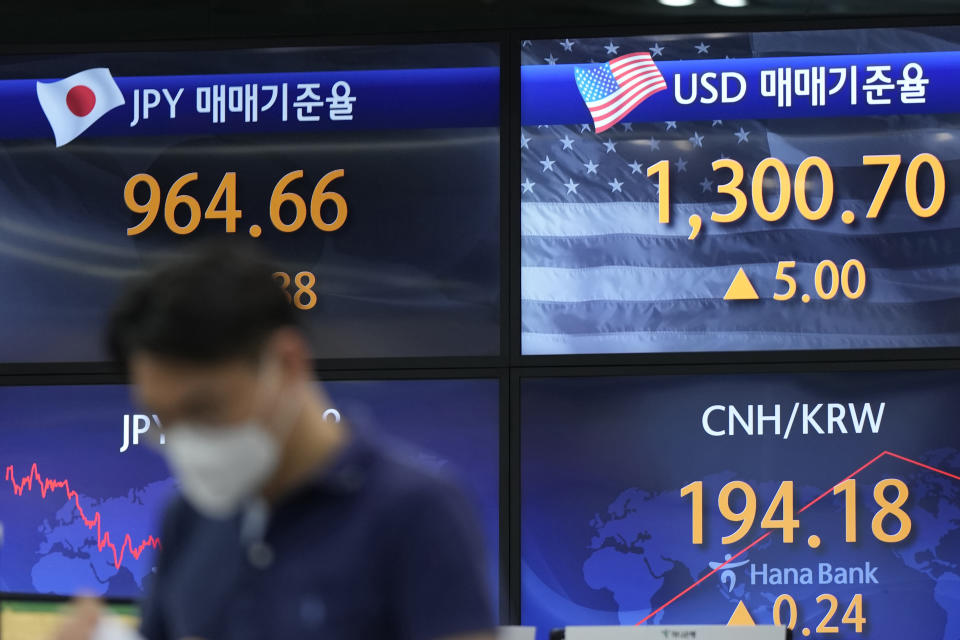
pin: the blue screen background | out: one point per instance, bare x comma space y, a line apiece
606, 536
420, 244
75, 433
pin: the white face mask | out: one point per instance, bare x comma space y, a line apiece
221, 467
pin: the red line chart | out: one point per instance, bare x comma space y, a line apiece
48, 485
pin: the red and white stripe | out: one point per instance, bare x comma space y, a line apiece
638, 77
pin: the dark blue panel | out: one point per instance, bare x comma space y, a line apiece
607, 537
75, 433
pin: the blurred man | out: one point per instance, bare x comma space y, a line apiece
289, 525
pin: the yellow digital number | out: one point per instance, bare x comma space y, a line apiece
854, 613
848, 291
229, 214
175, 199
321, 195
849, 489
778, 605
226, 196
783, 276
787, 524
732, 189
149, 209
888, 508
696, 490
284, 279
278, 197
783, 198
304, 298
852, 616
305, 281
824, 626
939, 185
662, 171
831, 266
745, 517
800, 188
893, 163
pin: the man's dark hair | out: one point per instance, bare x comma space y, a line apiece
214, 304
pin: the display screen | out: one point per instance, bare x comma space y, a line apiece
370, 175
827, 502
83, 494
740, 191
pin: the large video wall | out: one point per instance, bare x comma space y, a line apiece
690, 303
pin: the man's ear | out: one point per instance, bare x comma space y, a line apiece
290, 347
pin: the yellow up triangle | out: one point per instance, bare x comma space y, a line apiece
741, 617
741, 288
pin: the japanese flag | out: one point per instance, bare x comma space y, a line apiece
73, 104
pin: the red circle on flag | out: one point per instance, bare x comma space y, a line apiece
81, 100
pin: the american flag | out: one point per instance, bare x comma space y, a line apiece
613, 89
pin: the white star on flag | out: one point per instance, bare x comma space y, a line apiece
550, 59
706, 184
567, 45
702, 48
584, 127
527, 186
612, 48
656, 49
548, 163
571, 186
635, 167
591, 166
716, 123
654, 144
741, 135
627, 126
681, 165
567, 142
696, 139
610, 145
524, 140
671, 124
615, 186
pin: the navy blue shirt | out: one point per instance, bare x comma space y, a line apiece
371, 548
